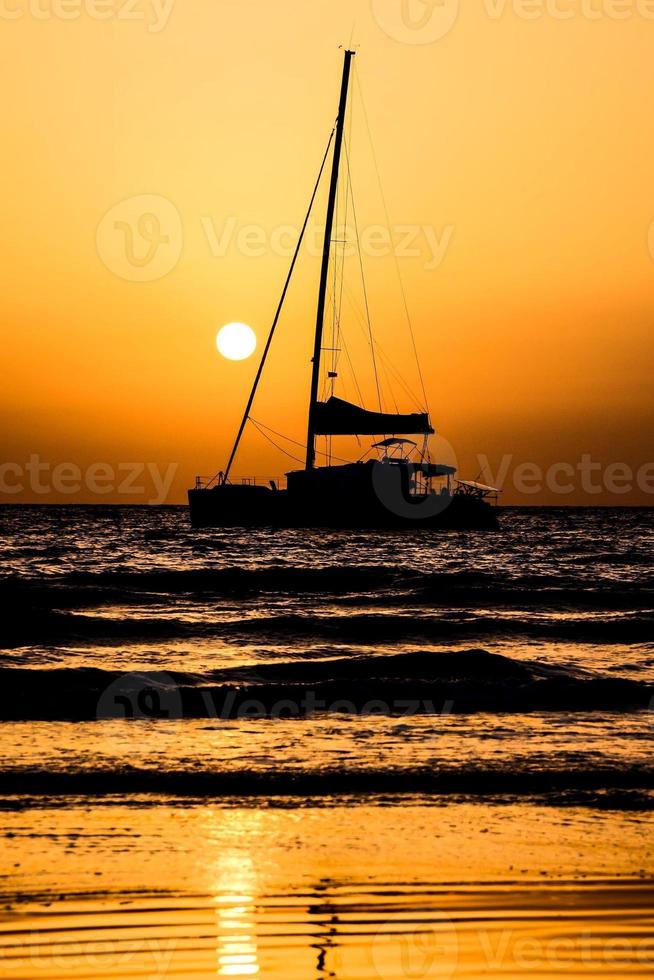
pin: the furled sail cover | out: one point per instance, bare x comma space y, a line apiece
336, 417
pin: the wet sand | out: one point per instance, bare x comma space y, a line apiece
391, 888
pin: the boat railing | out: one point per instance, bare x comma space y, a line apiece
259, 481
207, 483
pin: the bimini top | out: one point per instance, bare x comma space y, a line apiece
336, 417
386, 443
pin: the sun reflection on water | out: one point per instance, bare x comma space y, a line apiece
237, 951
235, 890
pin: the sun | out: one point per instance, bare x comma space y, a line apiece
236, 341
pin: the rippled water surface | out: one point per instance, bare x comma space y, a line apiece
349, 890
427, 660
325, 754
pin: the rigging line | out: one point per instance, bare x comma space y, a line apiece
273, 443
353, 372
383, 354
389, 381
386, 360
302, 445
389, 384
363, 281
334, 249
388, 224
385, 381
345, 192
339, 331
398, 376
335, 296
324, 381
277, 315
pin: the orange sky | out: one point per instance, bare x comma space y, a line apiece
521, 146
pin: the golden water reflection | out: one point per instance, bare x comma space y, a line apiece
237, 945
354, 892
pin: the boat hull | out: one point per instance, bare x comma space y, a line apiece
355, 496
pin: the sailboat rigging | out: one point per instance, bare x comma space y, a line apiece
396, 488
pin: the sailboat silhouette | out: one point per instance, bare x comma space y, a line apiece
397, 488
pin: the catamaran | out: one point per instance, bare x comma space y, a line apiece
394, 484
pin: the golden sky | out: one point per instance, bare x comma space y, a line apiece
514, 142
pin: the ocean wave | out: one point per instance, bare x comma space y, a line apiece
629, 788
233, 580
34, 625
342, 583
402, 684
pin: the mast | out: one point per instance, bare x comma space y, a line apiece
322, 292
